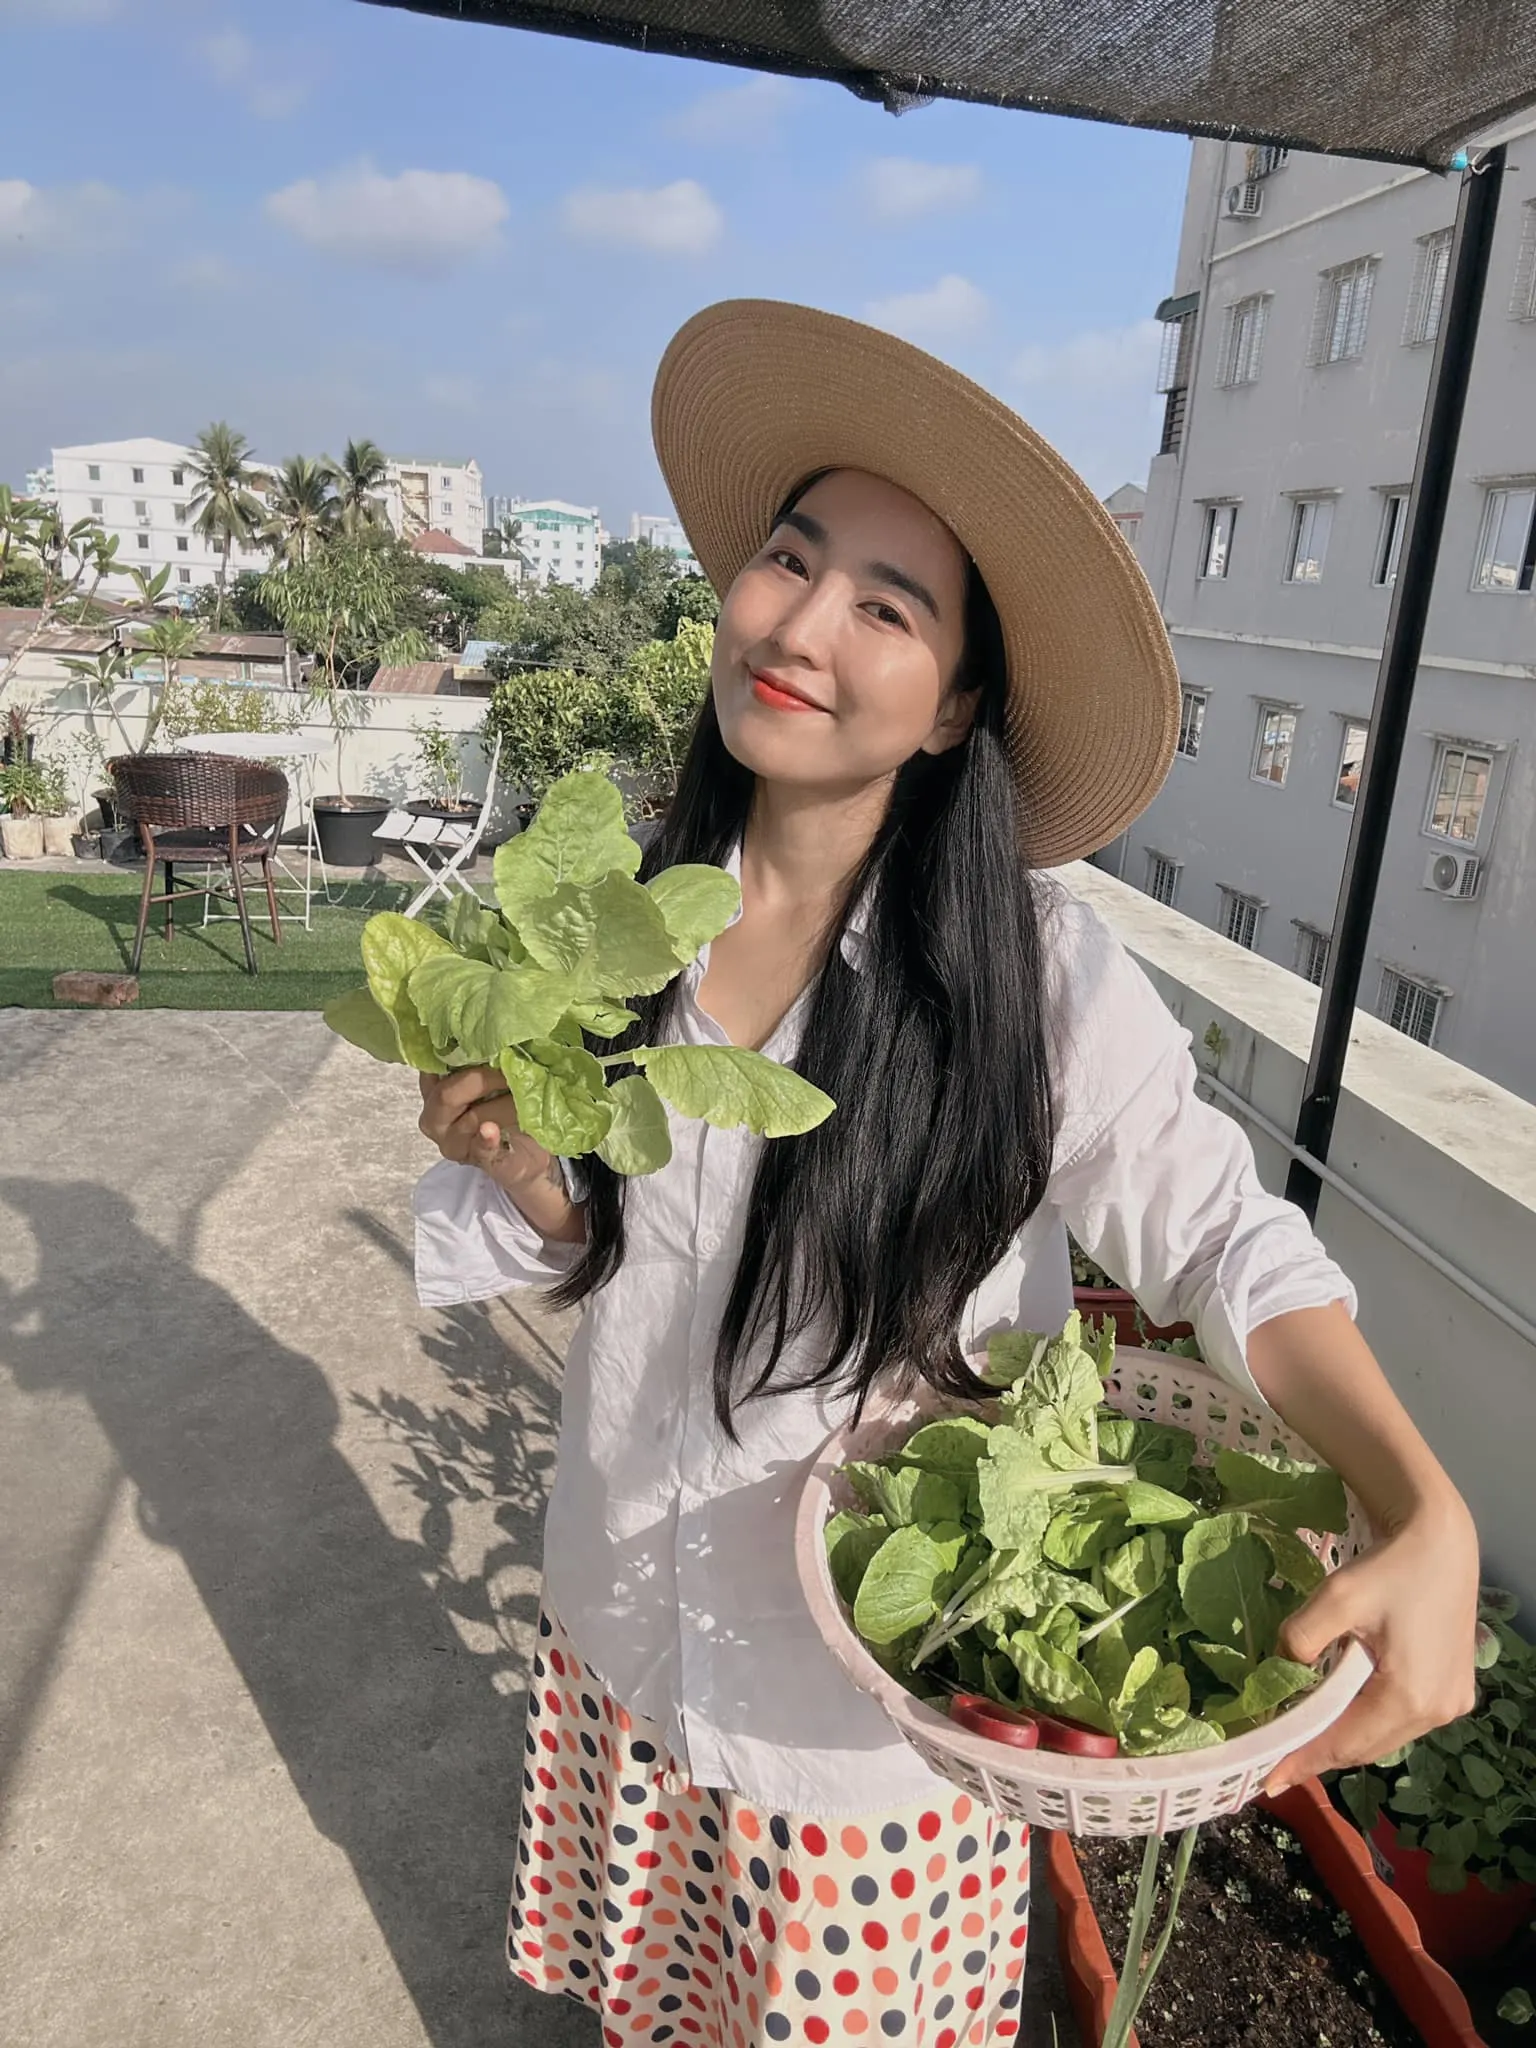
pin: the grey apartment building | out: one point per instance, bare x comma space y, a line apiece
1297, 346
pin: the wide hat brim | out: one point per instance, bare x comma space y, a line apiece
754, 395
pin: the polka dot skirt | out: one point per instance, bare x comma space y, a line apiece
690, 1916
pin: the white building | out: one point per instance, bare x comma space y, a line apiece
556, 542
142, 491
443, 497
662, 530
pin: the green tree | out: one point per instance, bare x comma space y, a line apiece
358, 478
303, 511
690, 597
226, 508
71, 561
23, 583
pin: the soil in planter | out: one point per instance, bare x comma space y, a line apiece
1486, 1983
1262, 1957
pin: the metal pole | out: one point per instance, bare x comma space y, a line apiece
1449, 377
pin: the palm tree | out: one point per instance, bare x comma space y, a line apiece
302, 510
359, 477
227, 510
173, 639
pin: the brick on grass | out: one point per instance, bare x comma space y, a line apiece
96, 991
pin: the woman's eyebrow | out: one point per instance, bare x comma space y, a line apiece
898, 579
802, 522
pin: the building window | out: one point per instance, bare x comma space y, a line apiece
143, 540
1311, 952
445, 508
1389, 547
1192, 705
181, 543
1428, 293
1272, 750
1410, 1005
1458, 794
98, 506
445, 483
93, 472
138, 476
1351, 762
1506, 554
1162, 878
181, 515
178, 478
1173, 378
1342, 310
217, 545
183, 575
1240, 918
141, 508
1522, 299
1243, 342
1216, 539
1311, 524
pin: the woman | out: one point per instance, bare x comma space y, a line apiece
937, 673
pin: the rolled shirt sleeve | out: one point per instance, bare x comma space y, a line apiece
473, 1242
1156, 1185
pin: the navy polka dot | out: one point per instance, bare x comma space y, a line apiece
778, 1827
586, 1814
776, 2027
606, 1946
578, 1968
588, 1744
727, 1943
835, 1941
581, 1937
1021, 1906
945, 2007
660, 2034
679, 1970
632, 1795
586, 1909
915, 1967
694, 1891
612, 1911
757, 1870
1000, 1841
589, 1784
893, 1836
681, 1941
528, 1781
975, 1962
642, 1752
624, 1834
702, 1860
709, 1827
808, 1984
522, 1852
940, 1905
865, 1889
966, 1848
671, 2003
544, 1628
742, 1911
618, 1873
1010, 1997
589, 1880
589, 1706
892, 2024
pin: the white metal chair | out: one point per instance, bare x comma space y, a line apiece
452, 843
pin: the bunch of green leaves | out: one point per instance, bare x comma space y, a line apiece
1466, 1793
529, 988
1058, 1556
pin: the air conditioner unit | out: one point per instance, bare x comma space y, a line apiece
1246, 201
1454, 874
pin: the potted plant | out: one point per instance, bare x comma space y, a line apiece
19, 743
58, 820
443, 766
1098, 1295
23, 789
549, 721
1451, 1819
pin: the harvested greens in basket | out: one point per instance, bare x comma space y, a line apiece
1073, 1563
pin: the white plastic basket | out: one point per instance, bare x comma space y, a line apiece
1086, 1796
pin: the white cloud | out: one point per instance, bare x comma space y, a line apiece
271, 89
1098, 360
947, 310
38, 220
897, 188
426, 221
673, 220
737, 114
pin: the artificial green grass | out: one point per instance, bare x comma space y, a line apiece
53, 922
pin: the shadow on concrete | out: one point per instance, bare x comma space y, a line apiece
405, 1745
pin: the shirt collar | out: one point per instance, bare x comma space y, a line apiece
854, 942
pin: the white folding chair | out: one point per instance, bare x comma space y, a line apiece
453, 844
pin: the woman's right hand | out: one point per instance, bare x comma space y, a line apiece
470, 1117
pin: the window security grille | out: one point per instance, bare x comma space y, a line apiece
1216, 539
1162, 878
1240, 918
1311, 525
1506, 552
1389, 548
1458, 794
1522, 298
1410, 1006
1272, 749
1312, 953
1243, 342
1342, 310
1351, 762
1191, 722
1427, 297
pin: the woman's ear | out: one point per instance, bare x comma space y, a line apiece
957, 714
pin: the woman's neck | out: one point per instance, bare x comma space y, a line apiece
802, 847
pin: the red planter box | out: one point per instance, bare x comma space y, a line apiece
1095, 1303
1428, 1996
1455, 1927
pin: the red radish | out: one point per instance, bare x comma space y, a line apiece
980, 1716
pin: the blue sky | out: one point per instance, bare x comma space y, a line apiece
317, 218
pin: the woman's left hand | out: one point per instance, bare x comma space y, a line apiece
1412, 1601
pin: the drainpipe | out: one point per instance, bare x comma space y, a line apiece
1450, 375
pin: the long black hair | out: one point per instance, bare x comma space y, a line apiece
876, 1228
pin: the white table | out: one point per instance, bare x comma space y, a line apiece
301, 749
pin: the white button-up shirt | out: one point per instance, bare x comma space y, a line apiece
669, 1550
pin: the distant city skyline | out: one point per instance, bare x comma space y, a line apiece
214, 209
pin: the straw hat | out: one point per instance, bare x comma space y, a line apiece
753, 396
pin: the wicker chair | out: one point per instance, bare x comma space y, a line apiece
209, 810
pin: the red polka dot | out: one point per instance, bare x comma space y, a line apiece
928, 1827
534, 1919
657, 1820
773, 1982
798, 1936
885, 1981
619, 2006
875, 1935
557, 1663
940, 1941
1006, 2029
539, 1884
641, 1898
936, 1867
813, 1839
1019, 1935
766, 1922
845, 1983
972, 1925
961, 1810
624, 1971
646, 1859
903, 1883
747, 1822
631, 1935
974, 1996
947, 2039
546, 1778
854, 1843
789, 1885
825, 1890
547, 1737
748, 1961
552, 1701
911, 1927
816, 2030
970, 1885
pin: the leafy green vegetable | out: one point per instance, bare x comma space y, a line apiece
523, 989
1268, 1687
905, 1494
954, 1446
1224, 1584
1292, 1495
903, 1584
852, 1541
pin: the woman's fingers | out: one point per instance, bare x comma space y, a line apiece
447, 1097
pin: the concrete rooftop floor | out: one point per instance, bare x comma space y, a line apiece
270, 1535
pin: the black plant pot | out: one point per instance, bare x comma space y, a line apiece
9, 753
464, 814
102, 799
346, 831
120, 844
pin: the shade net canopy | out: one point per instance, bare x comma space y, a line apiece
1406, 80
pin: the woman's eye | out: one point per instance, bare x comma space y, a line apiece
888, 615
786, 558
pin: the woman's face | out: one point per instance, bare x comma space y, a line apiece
837, 646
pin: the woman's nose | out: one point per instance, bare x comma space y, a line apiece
805, 627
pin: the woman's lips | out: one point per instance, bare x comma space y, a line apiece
778, 698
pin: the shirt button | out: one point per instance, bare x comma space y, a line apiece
709, 1244
701, 1624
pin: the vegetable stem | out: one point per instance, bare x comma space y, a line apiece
1132, 1991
